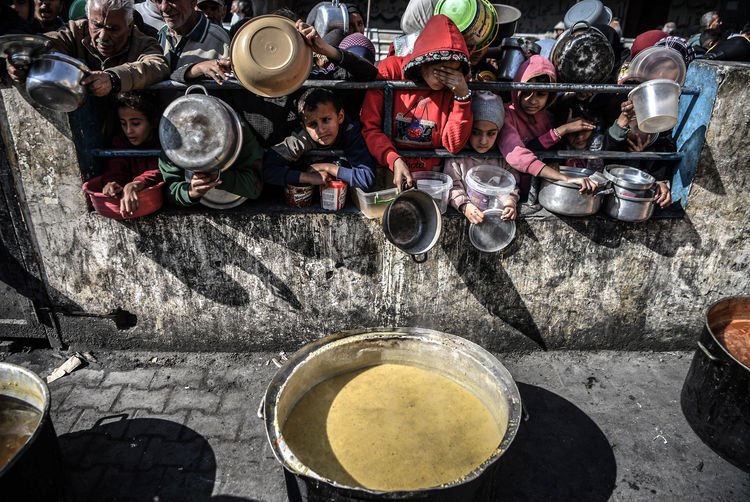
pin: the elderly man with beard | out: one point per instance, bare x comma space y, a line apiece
195, 47
120, 57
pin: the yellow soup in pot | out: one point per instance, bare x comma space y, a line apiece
392, 427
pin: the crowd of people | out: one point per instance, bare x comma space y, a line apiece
130, 47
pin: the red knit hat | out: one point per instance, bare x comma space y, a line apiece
645, 40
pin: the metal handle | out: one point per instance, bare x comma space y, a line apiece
709, 355
196, 86
421, 260
575, 27
260, 413
606, 191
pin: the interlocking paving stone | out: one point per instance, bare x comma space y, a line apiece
192, 399
138, 378
145, 427
153, 400
84, 397
224, 426
178, 377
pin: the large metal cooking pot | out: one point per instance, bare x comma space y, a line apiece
629, 208
507, 21
565, 198
715, 393
583, 55
629, 177
200, 133
36, 471
412, 223
54, 82
451, 356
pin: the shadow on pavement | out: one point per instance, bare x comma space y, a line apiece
559, 454
140, 459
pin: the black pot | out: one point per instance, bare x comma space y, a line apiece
413, 223
716, 394
36, 471
583, 55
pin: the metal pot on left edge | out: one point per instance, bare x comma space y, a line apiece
54, 82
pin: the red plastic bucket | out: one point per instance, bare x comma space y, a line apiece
150, 199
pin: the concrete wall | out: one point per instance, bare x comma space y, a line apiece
249, 279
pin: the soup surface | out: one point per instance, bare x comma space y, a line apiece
392, 427
735, 336
18, 421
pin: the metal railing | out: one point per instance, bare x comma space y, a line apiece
389, 86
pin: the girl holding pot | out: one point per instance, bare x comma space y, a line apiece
422, 119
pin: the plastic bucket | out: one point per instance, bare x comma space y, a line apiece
438, 185
333, 195
150, 200
656, 104
299, 195
487, 185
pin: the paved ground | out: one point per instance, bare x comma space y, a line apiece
176, 426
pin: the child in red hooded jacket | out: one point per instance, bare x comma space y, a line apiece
422, 119
528, 124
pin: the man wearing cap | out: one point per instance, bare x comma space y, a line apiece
120, 57
195, 47
213, 9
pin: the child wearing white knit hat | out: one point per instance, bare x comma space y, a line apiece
489, 116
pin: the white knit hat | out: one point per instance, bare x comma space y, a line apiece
487, 105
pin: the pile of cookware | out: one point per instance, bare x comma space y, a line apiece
54, 79
626, 193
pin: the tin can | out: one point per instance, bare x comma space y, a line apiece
299, 195
333, 195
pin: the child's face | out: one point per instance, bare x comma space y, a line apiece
579, 140
322, 124
533, 101
135, 125
483, 135
428, 75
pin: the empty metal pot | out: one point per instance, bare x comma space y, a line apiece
332, 16
54, 82
629, 177
412, 223
565, 198
629, 208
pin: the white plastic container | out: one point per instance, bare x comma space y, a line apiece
656, 104
373, 204
438, 185
488, 185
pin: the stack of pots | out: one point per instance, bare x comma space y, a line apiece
633, 196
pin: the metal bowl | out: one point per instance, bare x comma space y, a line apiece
629, 177
54, 82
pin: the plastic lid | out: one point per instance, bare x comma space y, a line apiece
658, 63
490, 180
493, 234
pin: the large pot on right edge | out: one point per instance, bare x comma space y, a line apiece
716, 394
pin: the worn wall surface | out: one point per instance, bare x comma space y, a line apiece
248, 279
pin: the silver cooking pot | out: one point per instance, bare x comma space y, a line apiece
629, 208
331, 16
54, 82
629, 177
200, 133
412, 223
565, 198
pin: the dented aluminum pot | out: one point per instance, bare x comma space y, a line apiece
456, 358
561, 197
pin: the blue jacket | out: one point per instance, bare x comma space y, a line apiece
284, 162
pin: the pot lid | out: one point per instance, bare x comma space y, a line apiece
591, 11
494, 233
491, 179
196, 132
269, 56
658, 63
21, 48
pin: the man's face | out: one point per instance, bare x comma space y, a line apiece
47, 10
715, 22
109, 30
213, 11
176, 13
